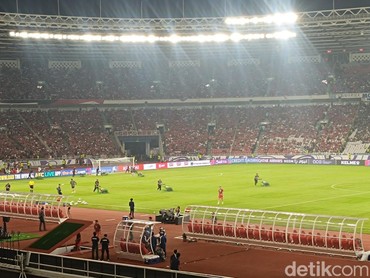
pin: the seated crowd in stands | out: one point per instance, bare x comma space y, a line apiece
157, 80
187, 131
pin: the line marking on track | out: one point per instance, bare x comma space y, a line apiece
112, 219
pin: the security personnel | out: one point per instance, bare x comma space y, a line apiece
104, 247
95, 246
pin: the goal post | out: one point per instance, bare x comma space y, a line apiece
110, 165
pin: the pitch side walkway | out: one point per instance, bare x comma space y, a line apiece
205, 257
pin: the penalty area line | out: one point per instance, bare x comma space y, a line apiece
317, 200
334, 186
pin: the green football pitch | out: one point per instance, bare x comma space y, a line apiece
329, 190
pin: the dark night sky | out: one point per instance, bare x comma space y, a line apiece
171, 8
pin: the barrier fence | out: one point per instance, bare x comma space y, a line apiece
46, 265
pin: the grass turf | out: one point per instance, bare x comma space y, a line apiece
21, 236
60, 233
317, 189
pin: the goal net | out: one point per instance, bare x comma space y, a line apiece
109, 165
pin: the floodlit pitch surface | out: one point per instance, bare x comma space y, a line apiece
329, 190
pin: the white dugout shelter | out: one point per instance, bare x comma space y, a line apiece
133, 240
28, 206
336, 235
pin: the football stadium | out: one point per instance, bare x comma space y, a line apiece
184, 138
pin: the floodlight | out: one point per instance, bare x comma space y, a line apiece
174, 39
283, 35
152, 38
278, 18
221, 37
109, 38
58, 36
236, 37
135, 38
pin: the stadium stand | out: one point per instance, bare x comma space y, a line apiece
35, 80
277, 129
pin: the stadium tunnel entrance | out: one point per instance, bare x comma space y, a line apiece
139, 146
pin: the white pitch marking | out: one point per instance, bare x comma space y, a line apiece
112, 219
334, 186
317, 200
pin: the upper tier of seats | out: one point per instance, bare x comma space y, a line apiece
34, 80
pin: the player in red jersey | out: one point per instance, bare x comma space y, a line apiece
220, 195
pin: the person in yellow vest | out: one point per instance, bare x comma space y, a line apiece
31, 184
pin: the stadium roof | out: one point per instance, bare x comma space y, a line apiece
334, 31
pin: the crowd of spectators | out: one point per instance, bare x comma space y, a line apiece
340, 123
354, 78
34, 80
361, 124
54, 133
198, 130
290, 130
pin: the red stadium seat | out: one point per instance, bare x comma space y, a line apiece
14, 209
144, 250
264, 234
309, 239
295, 237
27, 210
350, 243
7, 208
358, 244
242, 231
344, 243
269, 234
61, 213
229, 231
250, 233
319, 240
303, 238
48, 212
34, 211
335, 242
197, 227
207, 228
238, 230
278, 236
21, 209
283, 235
256, 234
54, 213
219, 229
123, 245
190, 226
